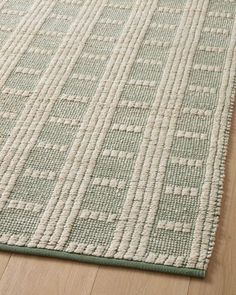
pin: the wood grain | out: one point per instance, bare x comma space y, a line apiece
31, 275
126, 282
4, 259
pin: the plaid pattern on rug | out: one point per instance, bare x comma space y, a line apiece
115, 119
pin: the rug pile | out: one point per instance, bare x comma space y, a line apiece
115, 118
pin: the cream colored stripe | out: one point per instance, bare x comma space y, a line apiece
165, 259
220, 14
52, 146
118, 154
60, 16
109, 21
147, 61
186, 161
216, 31
77, 2
207, 220
174, 226
5, 29
143, 83
199, 88
153, 42
191, 135
166, 136
127, 128
2, 4
207, 68
39, 109
41, 174
95, 250
212, 49
74, 98
182, 190
13, 12
120, 6
169, 10
142, 26
28, 206
22, 36
197, 112
97, 215
150, 157
40, 51
29, 71
50, 33
97, 123
112, 182
13, 239
8, 115
13, 91
64, 121
145, 143
102, 57
103, 38
134, 104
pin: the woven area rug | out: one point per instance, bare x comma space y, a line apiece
115, 117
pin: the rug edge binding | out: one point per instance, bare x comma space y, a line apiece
192, 272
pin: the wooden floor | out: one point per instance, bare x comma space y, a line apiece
31, 275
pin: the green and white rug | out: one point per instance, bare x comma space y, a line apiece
114, 125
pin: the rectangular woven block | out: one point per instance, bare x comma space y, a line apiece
114, 121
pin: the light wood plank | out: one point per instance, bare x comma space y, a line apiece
221, 274
4, 259
117, 281
31, 275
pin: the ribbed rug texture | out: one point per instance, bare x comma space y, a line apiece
114, 121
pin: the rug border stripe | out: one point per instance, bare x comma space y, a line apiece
193, 272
